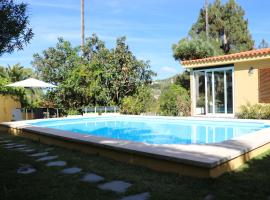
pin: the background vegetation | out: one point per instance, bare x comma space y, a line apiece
228, 33
255, 111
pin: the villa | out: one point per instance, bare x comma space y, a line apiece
221, 84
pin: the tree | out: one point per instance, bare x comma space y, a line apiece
228, 31
14, 27
188, 49
17, 72
263, 44
98, 77
183, 80
141, 102
175, 101
55, 63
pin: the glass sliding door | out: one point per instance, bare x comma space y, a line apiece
210, 104
214, 91
219, 92
200, 93
229, 89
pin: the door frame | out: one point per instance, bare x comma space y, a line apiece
212, 70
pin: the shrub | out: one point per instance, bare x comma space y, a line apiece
139, 103
174, 101
255, 111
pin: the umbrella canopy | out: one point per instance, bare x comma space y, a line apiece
32, 83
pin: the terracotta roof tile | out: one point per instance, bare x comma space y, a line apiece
244, 54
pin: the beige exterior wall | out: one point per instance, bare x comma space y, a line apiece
7, 105
246, 86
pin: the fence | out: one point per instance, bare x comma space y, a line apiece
101, 109
39, 113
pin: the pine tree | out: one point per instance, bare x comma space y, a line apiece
263, 44
226, 25
228, 33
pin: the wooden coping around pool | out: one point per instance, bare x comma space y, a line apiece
169, 158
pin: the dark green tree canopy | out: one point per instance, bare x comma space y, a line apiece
95, 76
228, 33
14, 27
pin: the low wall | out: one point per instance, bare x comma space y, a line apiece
7, 104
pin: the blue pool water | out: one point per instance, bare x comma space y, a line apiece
155, 130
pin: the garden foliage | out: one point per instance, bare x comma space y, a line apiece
255, 111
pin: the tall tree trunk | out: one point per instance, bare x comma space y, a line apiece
82, 22
206, 20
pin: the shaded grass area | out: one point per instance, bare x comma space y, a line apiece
251, 181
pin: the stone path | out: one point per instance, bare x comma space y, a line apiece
71, 170
92, 178
142, 196
56, 163
115, 186
47, 158
26, 169
40, 154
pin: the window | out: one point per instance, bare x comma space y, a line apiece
264, 85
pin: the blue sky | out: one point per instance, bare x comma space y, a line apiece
151, 26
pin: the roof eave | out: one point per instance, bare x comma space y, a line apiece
202, 63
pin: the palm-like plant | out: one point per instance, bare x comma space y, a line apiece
18, 72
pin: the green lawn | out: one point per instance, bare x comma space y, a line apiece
252, 181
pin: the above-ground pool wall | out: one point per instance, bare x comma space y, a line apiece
7, 104
246, 81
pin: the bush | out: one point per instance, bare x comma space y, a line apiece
175, 101
139, 103
255, 111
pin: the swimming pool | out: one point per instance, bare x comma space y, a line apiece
204, 147
156, 130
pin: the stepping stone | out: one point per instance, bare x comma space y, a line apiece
26, 169
92, 178
22, 148
45, 158
142, 196
49, 149
5, 141
56, 164
115, 186
39, 154
71, 170
28, 150
210, 197
10, 144
20, 145
9, 147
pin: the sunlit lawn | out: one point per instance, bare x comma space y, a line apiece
252, 181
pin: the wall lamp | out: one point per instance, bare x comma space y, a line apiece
250, 70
